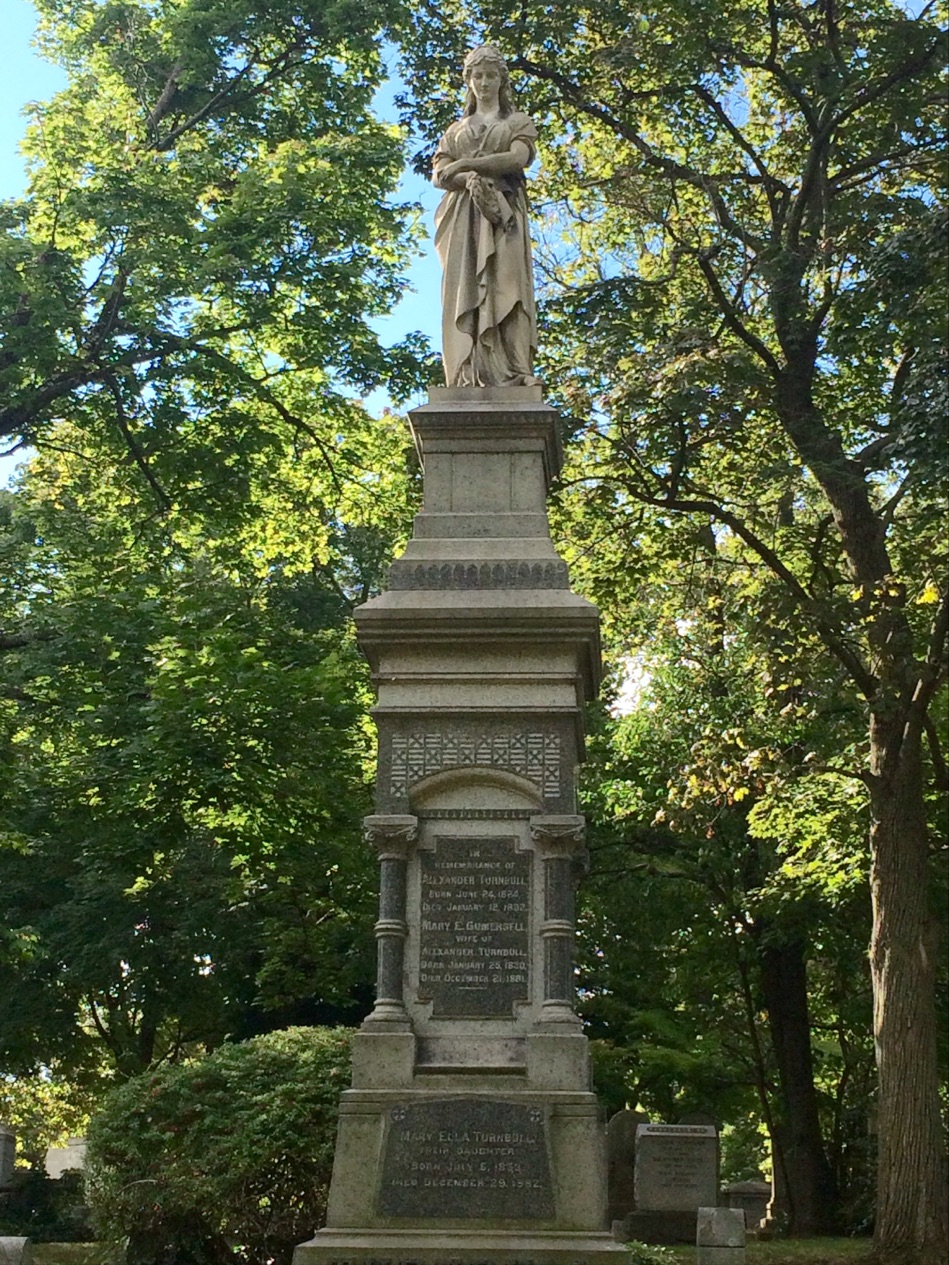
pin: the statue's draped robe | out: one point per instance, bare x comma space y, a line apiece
489, 322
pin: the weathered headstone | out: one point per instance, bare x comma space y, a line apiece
7, 1154
752, 1197
467, 1159
703, 1117
621, 1154
676, 1167
675, 1173
720, 1236
63, 1159
473, 966
15, 1251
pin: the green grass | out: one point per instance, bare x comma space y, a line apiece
73, 1254
793, 1252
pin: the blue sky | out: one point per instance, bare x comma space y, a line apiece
25, 76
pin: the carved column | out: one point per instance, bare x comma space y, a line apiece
391, 835
559, 840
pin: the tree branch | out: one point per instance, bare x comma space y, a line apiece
705, 183
138, 456
769, 182
164, 99
732, 319
906, 71
282, 65
176, 132
865, 681
17, 640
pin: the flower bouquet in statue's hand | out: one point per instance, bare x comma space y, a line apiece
484, 194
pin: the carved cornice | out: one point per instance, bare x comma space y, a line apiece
480, 575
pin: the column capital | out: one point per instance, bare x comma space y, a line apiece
559, 834
390, 834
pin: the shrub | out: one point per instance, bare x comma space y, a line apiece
44, 1210
223, 1159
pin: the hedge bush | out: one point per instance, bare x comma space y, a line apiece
223, 1159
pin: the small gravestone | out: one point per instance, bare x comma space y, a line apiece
15, 1251
676, 1167
7, 1154
720, 1236
61, 1159
675, 1174
621, 1152
752, 1197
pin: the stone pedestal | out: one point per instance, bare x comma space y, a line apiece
7, 1154
470, 1133
15, 1251
720, 1236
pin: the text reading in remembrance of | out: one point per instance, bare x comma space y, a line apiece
473, 946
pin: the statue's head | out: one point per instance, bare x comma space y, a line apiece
477, 56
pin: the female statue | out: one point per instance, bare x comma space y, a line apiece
489, 325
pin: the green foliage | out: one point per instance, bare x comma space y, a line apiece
643, 1254
44, 1110
46, 1210
805, 1251
206, 232
187, 759
224, 1158
190, 283
684, 902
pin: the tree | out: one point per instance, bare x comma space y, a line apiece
749, 305
206, 234
224, 1158
745, 947
186, 763
188, 286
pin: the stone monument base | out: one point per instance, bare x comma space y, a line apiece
658, 1226
459, 1247
470, 1135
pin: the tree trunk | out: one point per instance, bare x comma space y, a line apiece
912, 1215
810, 1188
912, 1225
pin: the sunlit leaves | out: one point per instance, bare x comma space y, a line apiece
208, 221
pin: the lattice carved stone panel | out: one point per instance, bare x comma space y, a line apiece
542, 751
534, 755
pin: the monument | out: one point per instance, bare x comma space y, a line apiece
7, 1154
470, 1135
675, 1174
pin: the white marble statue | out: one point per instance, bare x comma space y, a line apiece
489, 323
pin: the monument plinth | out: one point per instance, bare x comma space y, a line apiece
471, 1133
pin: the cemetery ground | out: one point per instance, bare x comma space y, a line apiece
772, 1252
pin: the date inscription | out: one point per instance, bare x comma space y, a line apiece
466, 1159
474, 957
